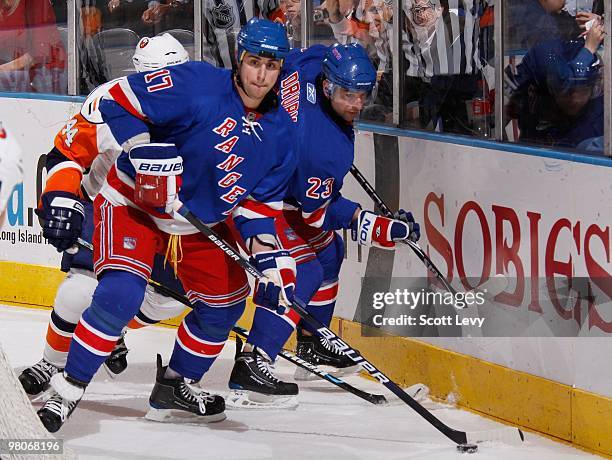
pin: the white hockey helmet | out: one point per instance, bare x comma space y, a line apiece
153, 53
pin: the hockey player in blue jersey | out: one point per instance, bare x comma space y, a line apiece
210, 137
323, 89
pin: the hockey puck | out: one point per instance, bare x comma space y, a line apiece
467, 448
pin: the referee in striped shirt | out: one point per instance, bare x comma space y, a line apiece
441, 47
223, 20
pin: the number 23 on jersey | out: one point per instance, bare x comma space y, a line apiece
320, 188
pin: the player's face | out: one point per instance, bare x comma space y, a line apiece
258, 75
348, 104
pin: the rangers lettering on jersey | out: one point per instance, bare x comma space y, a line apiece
230, 162
233, 195
226, 127
290, 95
228, 145
229, 179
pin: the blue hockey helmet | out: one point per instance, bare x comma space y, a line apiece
349, 67
263, 37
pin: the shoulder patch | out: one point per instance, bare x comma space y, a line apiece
311, 93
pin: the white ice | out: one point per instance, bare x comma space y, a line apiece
329, 423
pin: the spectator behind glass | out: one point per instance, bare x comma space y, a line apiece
557, 98
533, 21
441, 46
32, 56
167, 15
369, 23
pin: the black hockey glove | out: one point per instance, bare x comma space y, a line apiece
61, 217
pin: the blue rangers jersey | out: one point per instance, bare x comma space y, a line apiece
233, 162
325, 144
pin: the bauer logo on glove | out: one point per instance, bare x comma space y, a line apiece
370, 229
157, 167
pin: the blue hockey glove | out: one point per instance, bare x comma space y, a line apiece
415, 228
61, 217
370, 229
275, 291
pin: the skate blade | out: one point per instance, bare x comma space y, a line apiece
244, 399
303, 375
179, 416
42, 396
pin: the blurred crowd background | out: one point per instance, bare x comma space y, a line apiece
553, 62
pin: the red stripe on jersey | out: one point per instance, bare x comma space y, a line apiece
315, 216
293, 316
327, 293
198, 346
89, 337
121, 98
260, 208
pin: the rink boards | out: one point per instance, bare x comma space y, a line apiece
480, 209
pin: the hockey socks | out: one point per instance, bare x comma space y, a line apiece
59, 335
117, 298
201, 337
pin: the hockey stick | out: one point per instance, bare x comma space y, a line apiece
493, 286
370, 397
462, 438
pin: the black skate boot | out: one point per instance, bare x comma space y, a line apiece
320, 352
175, 400
35, 379
254, 385
65, 394
116, 362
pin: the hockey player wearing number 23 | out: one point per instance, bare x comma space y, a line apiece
323, 89
209, 136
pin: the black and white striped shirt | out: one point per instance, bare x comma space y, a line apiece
222, 22
441, 37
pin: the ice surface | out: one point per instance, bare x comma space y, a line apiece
329, 423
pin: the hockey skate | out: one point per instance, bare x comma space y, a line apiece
254, 386
64, 395
35, 379
175, 400
116, 362
320, 352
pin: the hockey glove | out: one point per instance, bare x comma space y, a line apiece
157, 167
381, 232
61, 217
415, 228
275, 290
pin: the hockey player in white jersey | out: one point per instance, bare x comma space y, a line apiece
11, 169
87, 141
